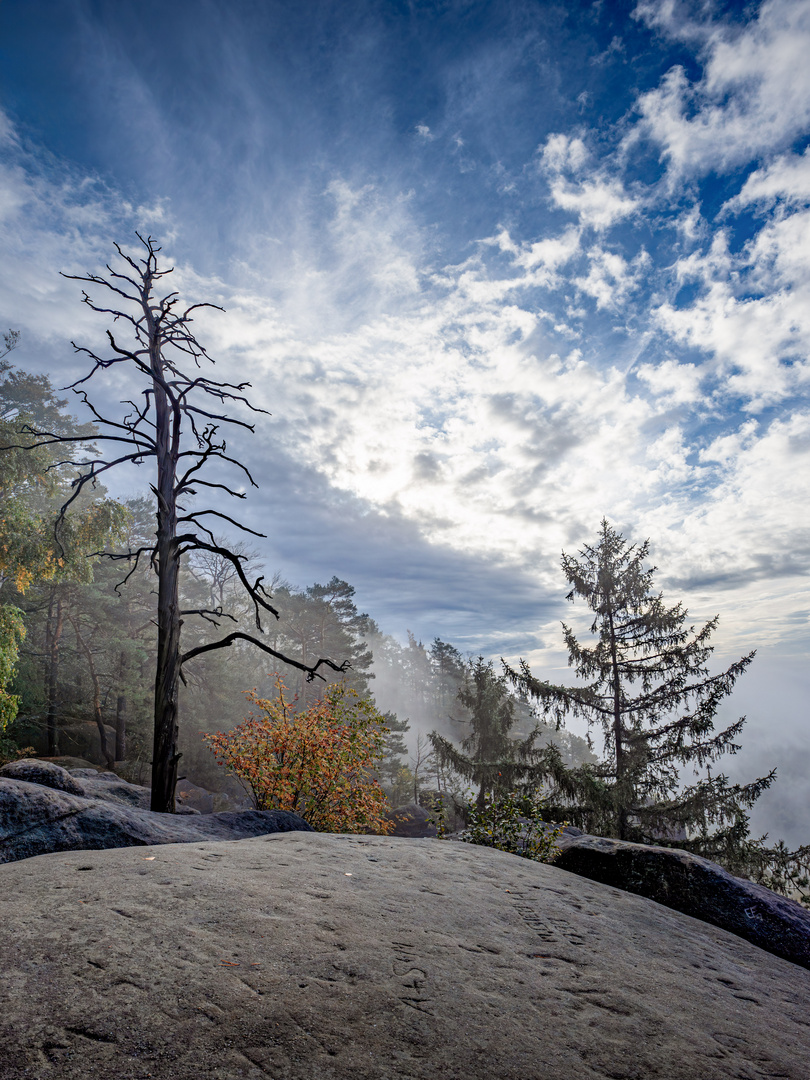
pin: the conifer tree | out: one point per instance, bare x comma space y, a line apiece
323, 620
646, 684
489, 757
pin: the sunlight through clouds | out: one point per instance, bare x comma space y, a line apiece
488, 325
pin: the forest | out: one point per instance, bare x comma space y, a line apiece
137, 635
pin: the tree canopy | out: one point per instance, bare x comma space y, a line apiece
489, 757
645, 683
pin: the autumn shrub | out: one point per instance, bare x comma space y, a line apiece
318, 763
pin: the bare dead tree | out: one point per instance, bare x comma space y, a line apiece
177, 423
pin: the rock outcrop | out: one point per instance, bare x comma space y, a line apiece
316, 957
695, 887
45, 773
194, 797
44, 808
411, 820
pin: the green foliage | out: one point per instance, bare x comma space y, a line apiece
645, 683
785, 872
323, 621
36, 478
512, 822
56, 582
489, 757
391, 771
12, 632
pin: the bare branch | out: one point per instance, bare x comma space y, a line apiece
256, 592
312, 670
193, 517
208, 615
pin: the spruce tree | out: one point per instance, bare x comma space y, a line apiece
646, 684
489, 756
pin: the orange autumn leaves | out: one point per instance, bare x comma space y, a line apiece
318, 763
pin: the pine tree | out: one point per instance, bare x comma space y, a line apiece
647, 685
448, 677
489, 757
324, 619
395, 750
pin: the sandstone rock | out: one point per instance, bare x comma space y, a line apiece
42, 772
69, 763
90, 782
35, 819
194, 797
315, 957
93, 772
696, 887
411, 820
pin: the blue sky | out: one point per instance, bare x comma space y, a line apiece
497, 269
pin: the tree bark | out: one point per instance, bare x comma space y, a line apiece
121, 728
53, 634
97, 713
164, 344
167, 675
617, 730
121, 713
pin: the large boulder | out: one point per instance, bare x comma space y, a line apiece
36, 818
70, 763
317, 957
411, 820
46, 773
90, 782
694, 886
194, 797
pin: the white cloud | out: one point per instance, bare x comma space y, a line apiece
598, 203
751, 316
562, 152
598, 200
787, 178
610, 277
673, 383
448, 401
753, 97
544, 259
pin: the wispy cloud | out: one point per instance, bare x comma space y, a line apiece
589, 331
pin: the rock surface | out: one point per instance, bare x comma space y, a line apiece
314, 957
195, 797
411, 820
37, 818
696, 887
91, 782
43, 772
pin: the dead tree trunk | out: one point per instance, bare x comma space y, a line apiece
167, 674
166, 356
